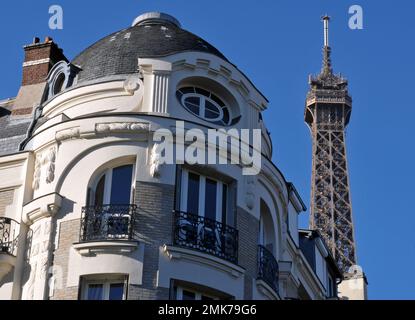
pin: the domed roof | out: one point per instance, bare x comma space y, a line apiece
151, 35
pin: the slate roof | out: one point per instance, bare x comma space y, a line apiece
118, 53
12, 131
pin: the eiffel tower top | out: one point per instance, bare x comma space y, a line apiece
328, 83
327, 79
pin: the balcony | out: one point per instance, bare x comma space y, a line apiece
268, 268
9, 232
108, 223
205, 235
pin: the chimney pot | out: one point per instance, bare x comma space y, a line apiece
48, 39
36, 40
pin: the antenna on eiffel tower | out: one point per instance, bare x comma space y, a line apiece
326, 20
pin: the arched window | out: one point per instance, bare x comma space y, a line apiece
109, 214
114, 187
266, 229
61, 77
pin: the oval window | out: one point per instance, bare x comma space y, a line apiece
205, 105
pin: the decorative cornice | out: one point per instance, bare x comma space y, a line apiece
122, 127
42, 207
67, 134
105, 247
192, 255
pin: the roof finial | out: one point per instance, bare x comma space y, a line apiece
326, 50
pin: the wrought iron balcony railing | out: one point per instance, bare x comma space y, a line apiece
9, 232
205, 235
268, 268
108, 222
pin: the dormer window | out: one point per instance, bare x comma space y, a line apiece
61, 77
205, 105
58, 85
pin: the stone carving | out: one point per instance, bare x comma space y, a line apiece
155, 161
131, 85
132, 127
50, 165
37, 173
44, 162
38, 262
250, 192
72, 133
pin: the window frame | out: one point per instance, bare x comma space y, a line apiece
219, 215
212, 98
108, 172
106, 282
198, 294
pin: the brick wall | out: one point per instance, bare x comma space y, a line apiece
248, 227
38, 73
155, 204
68, 235
6, 199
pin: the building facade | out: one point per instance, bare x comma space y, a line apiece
89, 211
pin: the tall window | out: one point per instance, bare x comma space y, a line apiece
114, 186
266, 229
205, 196
104, 289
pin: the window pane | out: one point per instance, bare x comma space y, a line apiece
95, 292
193, 109
193, 194
187, 295
195, 101
210, 200
193, 104
121, 185
210, 106
224, 203
99, 192
225, 116
211, 115
116, 291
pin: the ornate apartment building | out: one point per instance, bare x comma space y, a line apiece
88, 211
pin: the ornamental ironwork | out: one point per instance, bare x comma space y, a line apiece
9, 234
108, 222
205, 235
268, 268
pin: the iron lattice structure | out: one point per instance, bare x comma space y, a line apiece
327, 113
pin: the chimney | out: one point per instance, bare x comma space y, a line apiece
40, 57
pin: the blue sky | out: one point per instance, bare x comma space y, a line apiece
277, 44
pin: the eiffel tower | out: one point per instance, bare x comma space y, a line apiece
327, 113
